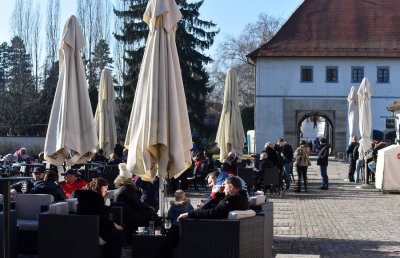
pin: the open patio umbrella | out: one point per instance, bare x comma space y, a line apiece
158, 137
365, 123
352, 98
230, 134
104, 118
71, 135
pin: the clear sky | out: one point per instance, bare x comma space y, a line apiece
231, 16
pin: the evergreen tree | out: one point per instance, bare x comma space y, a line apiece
193, 36
47, 94
4, 77
22, 96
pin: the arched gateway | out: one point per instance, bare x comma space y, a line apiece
333, 111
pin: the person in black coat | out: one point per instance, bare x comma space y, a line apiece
49, 186
135, 212
259, 175
236, 199
322, 162
91, 202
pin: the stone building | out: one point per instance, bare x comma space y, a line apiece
307, 69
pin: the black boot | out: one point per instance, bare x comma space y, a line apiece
305, 186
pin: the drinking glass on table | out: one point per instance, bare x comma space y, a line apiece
167, 224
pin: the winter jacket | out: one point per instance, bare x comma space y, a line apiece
70, 188
92, 203
302, 156
177, 208
48, 187
323, 155
237, 201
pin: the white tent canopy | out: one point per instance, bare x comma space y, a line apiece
387, 175
352, 99
71, 135
159, 137
104, 118
230, 134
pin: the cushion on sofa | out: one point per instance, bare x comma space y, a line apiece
257, 200
241, 214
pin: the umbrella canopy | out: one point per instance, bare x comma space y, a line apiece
158, 137
352, 98
365, 123
104, 118
71, 135
230, 135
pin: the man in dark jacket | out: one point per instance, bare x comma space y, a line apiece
352, 161
322, 162
287, 155
26, 186
236, 199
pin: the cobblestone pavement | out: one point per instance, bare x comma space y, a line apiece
341, 222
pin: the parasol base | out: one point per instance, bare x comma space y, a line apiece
365, 186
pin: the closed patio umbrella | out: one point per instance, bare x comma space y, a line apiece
104, 118
352, 99
365, 123
230, 134
158, 137
71, 135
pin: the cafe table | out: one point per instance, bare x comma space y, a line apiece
5, 183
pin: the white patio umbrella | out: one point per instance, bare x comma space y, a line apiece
71, 135
230, 134
159, 137
352, 99
104, 118
365, 123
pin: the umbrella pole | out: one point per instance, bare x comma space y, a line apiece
161, 194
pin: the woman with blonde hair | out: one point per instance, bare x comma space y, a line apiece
136, 213
91, 202
301, 155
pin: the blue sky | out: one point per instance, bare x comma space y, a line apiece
231, 16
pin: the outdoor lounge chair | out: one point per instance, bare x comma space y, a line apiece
223, 238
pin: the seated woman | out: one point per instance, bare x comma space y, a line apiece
136, 213
91, 202
49, 186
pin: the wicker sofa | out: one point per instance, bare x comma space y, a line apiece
238, 238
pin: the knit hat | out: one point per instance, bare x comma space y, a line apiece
123, 171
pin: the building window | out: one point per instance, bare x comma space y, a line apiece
357, 73
390, 123
306, 74
383, 75
331, 74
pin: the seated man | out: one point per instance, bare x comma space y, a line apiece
216, 196
49, 186
72, 182
26, 186
236, 199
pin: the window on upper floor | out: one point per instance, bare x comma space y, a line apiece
332, 74
357, 73
306, 74
383, 75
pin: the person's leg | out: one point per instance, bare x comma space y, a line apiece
352, 168
115, 245
305, 178
324, 175
299, 175
286, 168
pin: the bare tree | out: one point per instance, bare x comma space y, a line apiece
21, 22
52, 30
36, 46
231, 53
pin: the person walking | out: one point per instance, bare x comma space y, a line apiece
350, 156
301, 156
322, 161
287, 155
